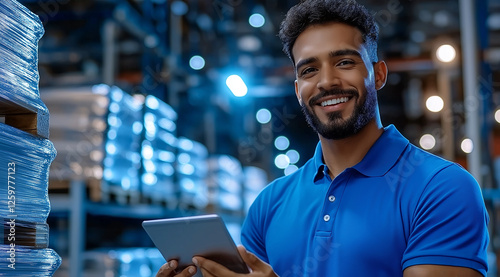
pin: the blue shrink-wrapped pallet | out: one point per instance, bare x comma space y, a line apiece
25, 151
192, 169
122, 159
225, 182
77, 129
97, 131
20, 31
28, 262
24, 203
24, 171
158, 151
254, 180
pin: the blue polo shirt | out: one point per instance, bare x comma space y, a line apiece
400, 206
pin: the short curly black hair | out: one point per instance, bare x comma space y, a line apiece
312, 12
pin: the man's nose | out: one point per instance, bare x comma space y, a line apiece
329, 78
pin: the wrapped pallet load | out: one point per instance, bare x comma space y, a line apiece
97, 131
159, 152
25, 151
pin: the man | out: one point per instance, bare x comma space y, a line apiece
368, 203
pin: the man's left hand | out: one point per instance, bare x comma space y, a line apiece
258, 267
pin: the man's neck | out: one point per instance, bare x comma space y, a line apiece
341, 154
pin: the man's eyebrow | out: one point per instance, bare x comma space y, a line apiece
305, 61
343, 52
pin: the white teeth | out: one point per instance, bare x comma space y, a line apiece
334, 101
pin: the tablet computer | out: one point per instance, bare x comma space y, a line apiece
184, 237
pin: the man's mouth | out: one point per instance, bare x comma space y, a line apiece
334, 101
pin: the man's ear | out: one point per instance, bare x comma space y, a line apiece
380, 71
297, 92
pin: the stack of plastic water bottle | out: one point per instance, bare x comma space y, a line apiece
24, 204
191, 171
24, 158
225, 183
97, 131
122, 162
20, 31
158, 152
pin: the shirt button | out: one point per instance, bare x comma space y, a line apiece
326, 218
331, 198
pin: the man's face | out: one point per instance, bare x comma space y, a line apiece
335, 80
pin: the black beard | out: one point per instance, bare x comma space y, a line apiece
337, 127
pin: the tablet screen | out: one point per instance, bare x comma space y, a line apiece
206, 236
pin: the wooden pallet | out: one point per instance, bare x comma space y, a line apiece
25, 117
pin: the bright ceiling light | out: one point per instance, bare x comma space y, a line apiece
497, 116
427, 141
197, 62
263, 116
281, 143
467, 145
291, 169
282, 161
257, 20
293, 155
434, 104
446, 53
236, 85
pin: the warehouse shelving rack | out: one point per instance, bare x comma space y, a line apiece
77, 204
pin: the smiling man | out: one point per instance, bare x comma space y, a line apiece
340, 76
368, 203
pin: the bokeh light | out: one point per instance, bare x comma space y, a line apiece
434, 104
467, 145
263, 116
446, 53
427, 141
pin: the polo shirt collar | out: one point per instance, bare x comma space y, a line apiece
384, 153
318, 163
380, 158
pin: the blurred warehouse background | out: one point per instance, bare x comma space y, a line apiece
167, 108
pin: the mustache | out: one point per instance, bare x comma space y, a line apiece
333, 92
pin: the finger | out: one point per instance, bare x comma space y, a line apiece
211, 267
205, 273
252, 261
249, 258
187, 272
167, 269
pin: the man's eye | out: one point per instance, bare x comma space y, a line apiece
307, 71
345, 62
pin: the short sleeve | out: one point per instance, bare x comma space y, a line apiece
251, 233
450, 223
